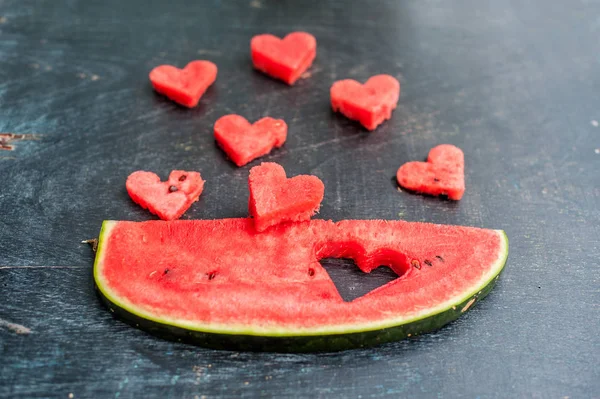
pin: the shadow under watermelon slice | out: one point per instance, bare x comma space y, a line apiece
218, 283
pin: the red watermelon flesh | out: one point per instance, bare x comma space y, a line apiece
168, 200
244, 142
275, 199
184, 86
371, 103
442, 174
221, 277
285, 59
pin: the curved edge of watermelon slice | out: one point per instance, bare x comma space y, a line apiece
329, 340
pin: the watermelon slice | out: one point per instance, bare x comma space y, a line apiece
220, 284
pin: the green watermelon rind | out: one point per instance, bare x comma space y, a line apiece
339, 337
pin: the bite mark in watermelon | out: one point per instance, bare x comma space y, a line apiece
168, 200
442, 174
275, 199
218, 283
244, 142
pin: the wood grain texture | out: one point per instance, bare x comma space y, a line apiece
514, 84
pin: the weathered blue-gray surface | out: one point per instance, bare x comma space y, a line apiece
515, 84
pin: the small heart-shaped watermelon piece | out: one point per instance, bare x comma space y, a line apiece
442, 174
184, 86
168, 200
285, 59
370, 104
243, 141
275, 199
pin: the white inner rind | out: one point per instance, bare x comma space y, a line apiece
290, 331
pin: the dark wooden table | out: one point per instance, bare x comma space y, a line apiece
515, 84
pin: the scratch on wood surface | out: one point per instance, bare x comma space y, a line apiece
310, 73
7, 138
320, 144
14, 327
357, 69
204, 51
41, 267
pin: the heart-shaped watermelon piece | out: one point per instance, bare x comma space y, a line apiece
442, 174
285, 59
184, 86
275, 199
370, 104
243, 141
168, 200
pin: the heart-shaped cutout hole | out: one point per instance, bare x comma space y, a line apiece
356, 271
353, 283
